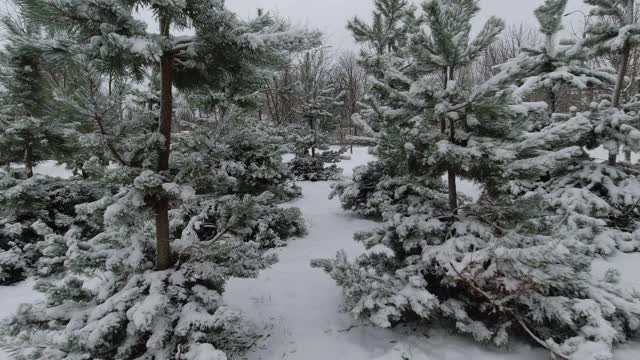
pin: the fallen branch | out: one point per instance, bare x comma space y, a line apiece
499, 306
538, 340
349, 328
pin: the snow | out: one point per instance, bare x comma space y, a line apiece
629, 267
601, 153
52, 168
468, 188
205, 352
359, 157
48, 167
627, 263
286, 158
11, 297
300, 306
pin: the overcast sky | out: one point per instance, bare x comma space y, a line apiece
331, 16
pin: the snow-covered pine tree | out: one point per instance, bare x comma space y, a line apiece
30, 134
385, 57
311, 168
492, 269
392, 22
125, 295
594, 198
431, 56
32, 131
124, 42
613, 30
35, 214
444, 49
244, 157
133, 311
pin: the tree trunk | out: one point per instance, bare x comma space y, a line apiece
451, 173
453, 191
163, 247
443, 122
552, 101
622, 71
617, 95
28, 159
315, 137
352, 132
110, 82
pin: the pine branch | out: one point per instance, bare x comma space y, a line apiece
10, 350
113, 150
490, 223
632, 209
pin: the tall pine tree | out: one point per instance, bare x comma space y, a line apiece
109, 33
160, 297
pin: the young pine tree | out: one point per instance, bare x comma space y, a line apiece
392, 22
444, 49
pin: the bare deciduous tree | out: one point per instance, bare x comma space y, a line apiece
352, 80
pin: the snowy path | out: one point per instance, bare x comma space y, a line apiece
300, 306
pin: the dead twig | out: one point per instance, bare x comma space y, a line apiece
349, 328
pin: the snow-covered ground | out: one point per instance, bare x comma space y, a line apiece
603, 154
11, 297
361, 156
299, 307
48, 167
